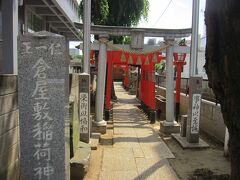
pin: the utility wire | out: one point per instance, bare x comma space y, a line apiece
163, 13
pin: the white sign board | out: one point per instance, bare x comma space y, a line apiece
196, 105
84, 113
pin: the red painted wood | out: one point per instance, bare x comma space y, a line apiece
109, 82
178, 84
151, 85
117, 57
179, 65
147, 82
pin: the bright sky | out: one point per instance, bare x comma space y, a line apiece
178, 15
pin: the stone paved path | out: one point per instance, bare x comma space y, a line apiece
137, 152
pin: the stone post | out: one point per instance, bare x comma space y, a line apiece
99, 123
169, 86
194, 109
169, 125
84, 107
43, 105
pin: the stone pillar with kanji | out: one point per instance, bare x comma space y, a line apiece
194, 109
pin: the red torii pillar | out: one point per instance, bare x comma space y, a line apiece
179, 62
148, 88
107, 110
112, 58
126, 77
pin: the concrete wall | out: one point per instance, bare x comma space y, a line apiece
207, 93
74, 86
211, 121
74, 115
9, 128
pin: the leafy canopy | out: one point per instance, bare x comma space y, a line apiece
117, 13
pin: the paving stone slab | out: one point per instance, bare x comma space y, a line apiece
125, 140
153, 169
157, 151
119, 130
119, 175
120, 159
138, 152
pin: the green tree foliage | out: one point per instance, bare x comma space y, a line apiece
99, 11
117, 12
160, 66
77, 57
127, 12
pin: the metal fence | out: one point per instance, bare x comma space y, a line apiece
207, 92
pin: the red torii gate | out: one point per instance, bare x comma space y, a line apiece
145, 62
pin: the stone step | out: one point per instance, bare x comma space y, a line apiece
94, 141
80, 162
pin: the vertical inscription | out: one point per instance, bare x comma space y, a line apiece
196, 104
84, 113
42, 122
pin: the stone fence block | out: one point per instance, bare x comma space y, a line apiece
10, 156
8, 140
11, 172
8, 121
8, 103
8, 84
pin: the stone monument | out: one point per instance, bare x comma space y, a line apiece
43, 105
194, 109
84, 107
189, 137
